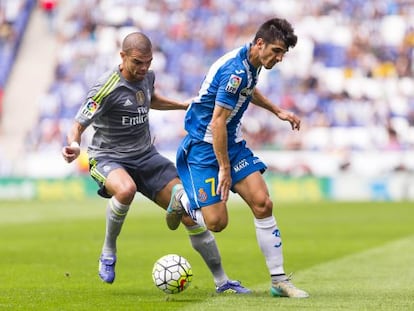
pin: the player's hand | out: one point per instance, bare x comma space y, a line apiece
224, 184
291, 118
70, 153
188, 102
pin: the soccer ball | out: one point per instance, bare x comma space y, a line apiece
172, 273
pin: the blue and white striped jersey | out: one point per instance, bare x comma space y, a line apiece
229, 83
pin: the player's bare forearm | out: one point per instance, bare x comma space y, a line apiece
72, 150
219, 132
75, 133
224, 175
220, 145
159, 102
262, 101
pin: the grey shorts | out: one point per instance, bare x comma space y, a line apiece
150, 171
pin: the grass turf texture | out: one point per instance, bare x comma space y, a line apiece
349, 256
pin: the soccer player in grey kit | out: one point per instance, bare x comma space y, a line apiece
123, 159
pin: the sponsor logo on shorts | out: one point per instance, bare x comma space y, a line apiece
241, 165
233, 84
202, 195
255, 161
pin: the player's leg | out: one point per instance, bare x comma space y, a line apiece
122, 189
214, 216
202, 240
254, 191
200, 184
118, 186
204, 243
163, 179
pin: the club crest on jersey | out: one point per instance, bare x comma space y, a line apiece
233, 84
90, 108
202, 195
140, 95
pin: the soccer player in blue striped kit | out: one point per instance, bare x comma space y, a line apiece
214, 159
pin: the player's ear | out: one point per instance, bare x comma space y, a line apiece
260, 43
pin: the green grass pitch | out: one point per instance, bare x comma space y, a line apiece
349, 256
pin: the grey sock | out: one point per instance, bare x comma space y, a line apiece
204, 243
115, 216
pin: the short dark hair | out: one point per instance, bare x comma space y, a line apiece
277, 29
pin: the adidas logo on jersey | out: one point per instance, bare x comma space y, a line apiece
128, 103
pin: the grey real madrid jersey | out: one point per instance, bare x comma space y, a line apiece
118, 111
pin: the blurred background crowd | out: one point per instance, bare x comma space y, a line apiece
350, 77
14, 16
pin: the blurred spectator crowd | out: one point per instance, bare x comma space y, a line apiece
350, 77
14, 15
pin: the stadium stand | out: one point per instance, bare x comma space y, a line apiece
14, 15
27, 82
350, 77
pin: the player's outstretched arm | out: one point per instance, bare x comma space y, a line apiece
260, 100
163, 103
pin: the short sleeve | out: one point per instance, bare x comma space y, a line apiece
231, 82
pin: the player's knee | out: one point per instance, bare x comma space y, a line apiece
215, 221
126, 192
263, 208
217, 225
